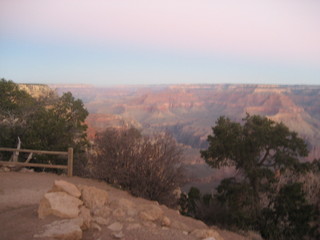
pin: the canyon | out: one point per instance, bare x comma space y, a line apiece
189, 111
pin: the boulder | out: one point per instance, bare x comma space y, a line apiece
63, 186
150, 212
4, 169
115, 227
206, 233
101, 220
93, 197
102, 212
133, 226
96, 226
130, 219
64, 229
86, 217
122, 203
132, 212
118, 235
125, 205
149, 224
59, 204
118, 213
26, 170
165, 221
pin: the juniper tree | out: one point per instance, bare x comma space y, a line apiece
261, 150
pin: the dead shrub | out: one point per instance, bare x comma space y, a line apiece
147, 166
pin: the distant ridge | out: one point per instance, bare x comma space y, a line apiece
54, 86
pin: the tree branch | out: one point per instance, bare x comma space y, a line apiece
264, 157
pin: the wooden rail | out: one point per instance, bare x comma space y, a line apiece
69, 153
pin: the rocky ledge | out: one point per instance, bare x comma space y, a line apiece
83, 208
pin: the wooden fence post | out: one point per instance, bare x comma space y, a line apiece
27, 163
70, 162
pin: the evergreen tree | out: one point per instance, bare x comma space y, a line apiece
55, 123
261, 150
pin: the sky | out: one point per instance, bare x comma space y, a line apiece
117, 42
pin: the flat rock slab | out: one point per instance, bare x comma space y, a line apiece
116, 227
59, 204
93, 197
63, 186
64, 229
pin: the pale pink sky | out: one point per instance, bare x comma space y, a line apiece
271, 30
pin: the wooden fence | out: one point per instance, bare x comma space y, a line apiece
69, 153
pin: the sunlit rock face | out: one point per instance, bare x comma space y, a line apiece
37, 90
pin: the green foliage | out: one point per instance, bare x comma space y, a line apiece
189, 202
183, 204
206, 198
194, 197
58, 127
259, 143
262, 151
13, 100
15, 107
55, 123
290, 217
237, 197
194, 193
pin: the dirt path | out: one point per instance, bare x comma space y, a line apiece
20, 194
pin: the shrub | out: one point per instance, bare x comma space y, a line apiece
146, 166
290, 217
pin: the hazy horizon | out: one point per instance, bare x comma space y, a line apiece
107, 43
106, 85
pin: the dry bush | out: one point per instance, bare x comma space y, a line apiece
310, 181
146, 166
311, 187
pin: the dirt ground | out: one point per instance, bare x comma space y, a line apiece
20, 194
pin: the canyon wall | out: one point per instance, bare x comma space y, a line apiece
189, 111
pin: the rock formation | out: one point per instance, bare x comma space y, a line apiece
189, 111
85, 207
